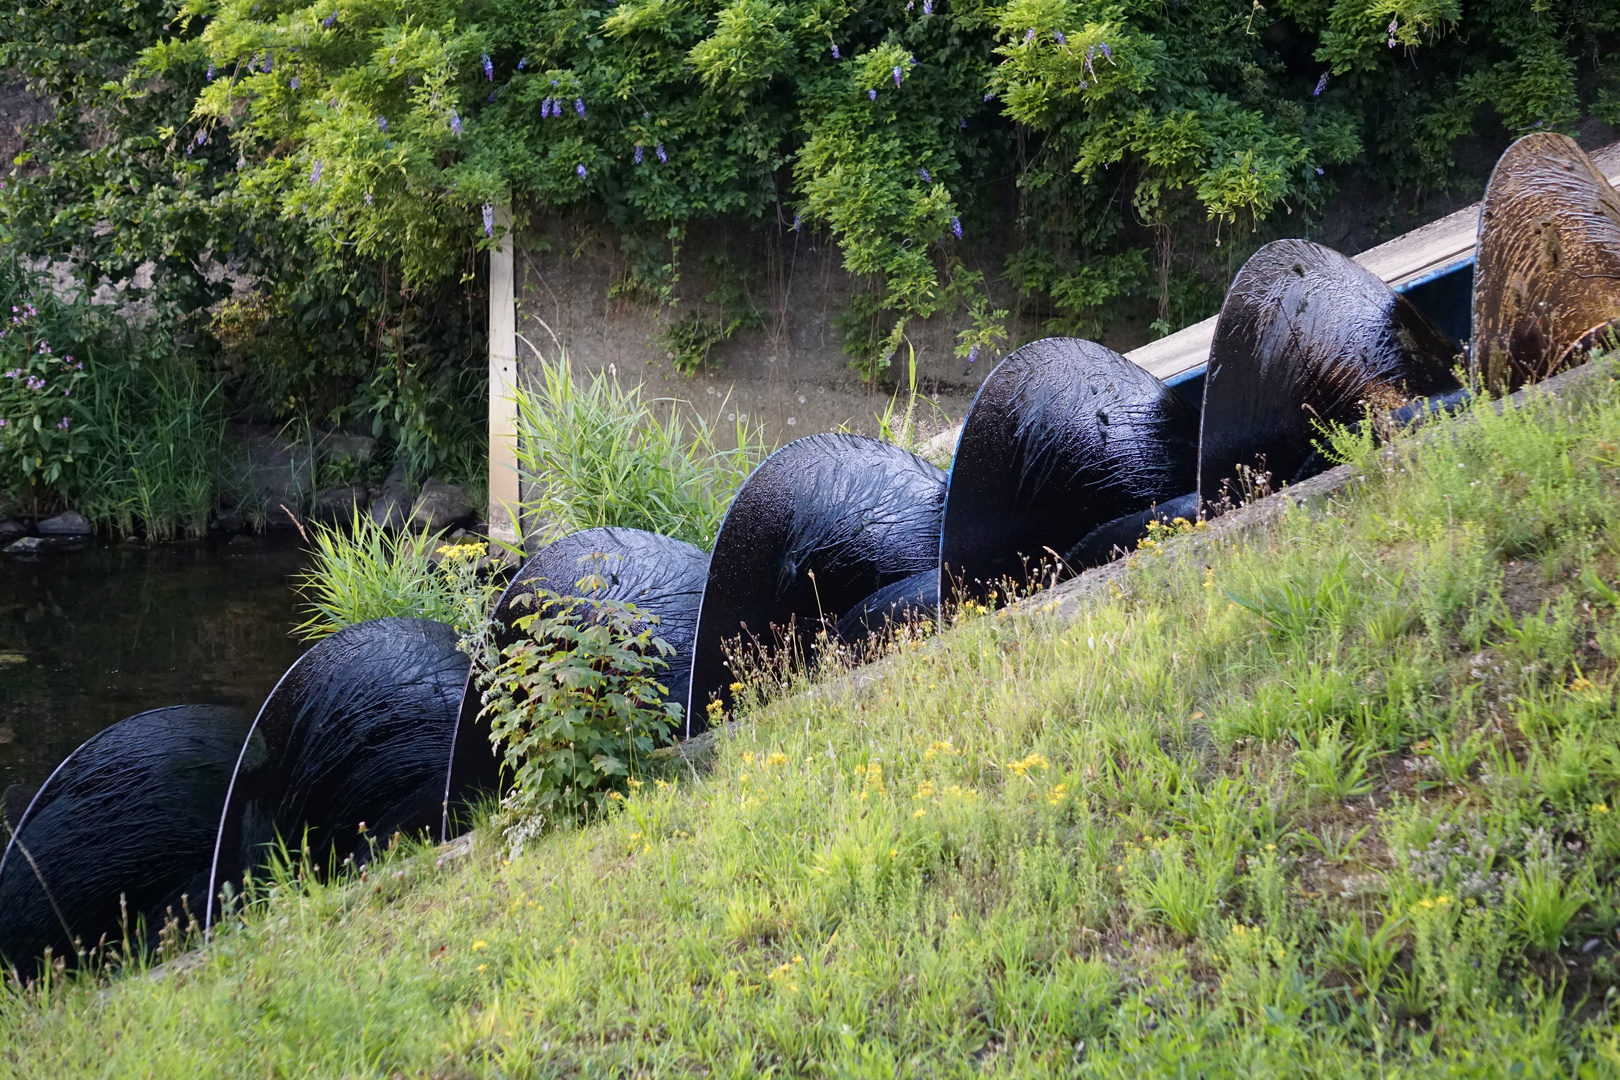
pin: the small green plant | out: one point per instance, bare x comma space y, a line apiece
901, 429
575, 705
1544, 904
1365, 958
368, 572
1331, 766
37, 438
600, 454
1292, 610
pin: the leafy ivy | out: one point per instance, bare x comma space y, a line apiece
387, 129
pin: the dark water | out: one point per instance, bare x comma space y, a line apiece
90, 637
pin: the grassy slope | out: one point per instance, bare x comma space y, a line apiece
1365, 832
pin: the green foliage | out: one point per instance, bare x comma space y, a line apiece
37, 439
123, 177
1125, 125
363, 571
575, 705
105, 416
158, 454
599, 454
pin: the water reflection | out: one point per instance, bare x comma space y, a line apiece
90, 637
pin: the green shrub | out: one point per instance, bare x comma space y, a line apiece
367, 572
599, 454
575, 704
104, 416
38, 440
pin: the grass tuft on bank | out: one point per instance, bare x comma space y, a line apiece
1341, 802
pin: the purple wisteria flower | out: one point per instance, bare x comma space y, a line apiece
956, 227
835, 53
455, 123
62, 424
989, 97
368, 198
210, 75
382, 123
1321, 85
1105, 50
545, 108
269, 63
579, 170
1058, 35
928, 7
637, 155
797, 221
523, 62
489, 220
489, 67
202, 137
315, 173
897, 76
1319, 171
293, 83
662, 157
329, 20
1394, 25
871, 95
925, 177
579, 107
961, 122
973, 354
1029, 36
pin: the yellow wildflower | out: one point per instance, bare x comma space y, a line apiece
925, 790
777, 758
1058, 793
479, 945
1599, 808
634, 784
919, 812
1033, 761
736, 688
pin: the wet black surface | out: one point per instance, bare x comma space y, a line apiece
121, 836
1306, 337
92, 636
357, 733
1066, 435
822, 524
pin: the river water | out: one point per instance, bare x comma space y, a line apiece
92, 636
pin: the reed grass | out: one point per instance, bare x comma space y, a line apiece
364, 571
160, 459
592, 452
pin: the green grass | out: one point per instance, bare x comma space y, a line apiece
596, 453
158, 452
365, 571
1361, 823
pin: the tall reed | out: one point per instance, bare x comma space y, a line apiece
595, 453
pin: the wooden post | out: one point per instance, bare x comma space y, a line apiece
504, 519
